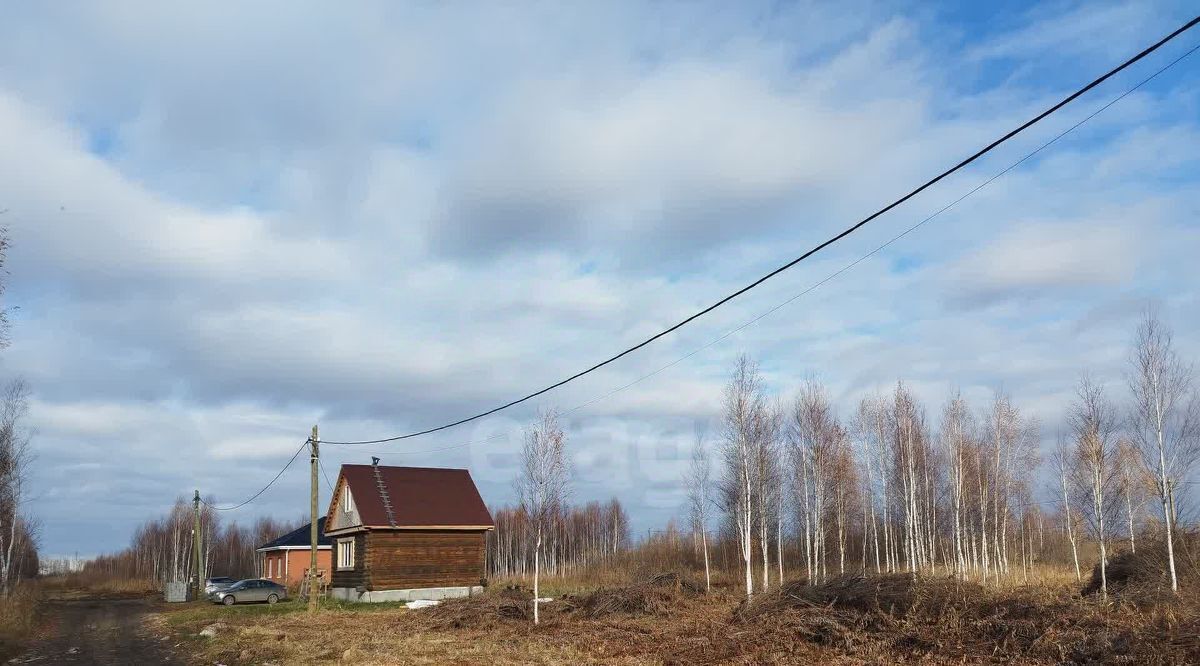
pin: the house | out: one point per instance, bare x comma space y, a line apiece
287, 558
406, 533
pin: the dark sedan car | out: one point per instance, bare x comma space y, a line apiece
254, 589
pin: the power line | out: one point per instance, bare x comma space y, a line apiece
890, 241
327, 483
846, 232
444, 448
264, 488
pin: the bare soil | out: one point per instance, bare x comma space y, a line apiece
83, 628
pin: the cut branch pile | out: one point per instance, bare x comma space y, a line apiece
511, 603
659, 595
895, 595
890, 616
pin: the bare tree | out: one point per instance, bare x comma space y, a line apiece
699, 485
1130, 483
910, 451
1094, 424
956, 431
542, 485
767, 482
864, 433
15, 532
1165, 420
843, 483
744, 405
1064, 464
812, 433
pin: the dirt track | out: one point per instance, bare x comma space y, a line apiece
99, 631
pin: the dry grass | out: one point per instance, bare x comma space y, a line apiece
18, 619
668, 619
75, 584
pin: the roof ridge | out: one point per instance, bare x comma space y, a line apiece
433, 469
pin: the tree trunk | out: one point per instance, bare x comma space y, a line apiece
537, 561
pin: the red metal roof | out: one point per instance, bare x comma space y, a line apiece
419, 496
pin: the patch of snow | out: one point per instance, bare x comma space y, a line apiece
421, 603
542, 600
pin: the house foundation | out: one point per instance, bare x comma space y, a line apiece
411, 594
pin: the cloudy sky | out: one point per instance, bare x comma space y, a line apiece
232, 221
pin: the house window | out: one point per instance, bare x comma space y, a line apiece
271, 567
345, 554
347, 501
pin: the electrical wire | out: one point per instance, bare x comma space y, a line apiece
846, 232
890, 241
327, 483
264, 488
444, 448
449, 448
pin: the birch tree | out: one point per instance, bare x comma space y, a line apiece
1094, 425
699, 485
843, 484
542, 485
15, 535
1130, 484
1165, 420
956, 430
907, 447
767, 482
863, 429
1064, 466
743, 408
812, 428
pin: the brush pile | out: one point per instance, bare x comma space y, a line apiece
893, 595
901, 618
1143, 578
659, 595
511, 603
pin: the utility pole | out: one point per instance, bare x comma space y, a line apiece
196, 541
312, 566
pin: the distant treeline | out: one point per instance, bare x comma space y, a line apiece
162, 549
575, 537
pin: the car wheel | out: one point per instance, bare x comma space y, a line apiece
273, 598
229, 600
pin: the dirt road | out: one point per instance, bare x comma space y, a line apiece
84, 630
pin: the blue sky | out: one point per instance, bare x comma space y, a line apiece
230, 222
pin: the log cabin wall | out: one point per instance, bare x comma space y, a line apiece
357, 576
405, 559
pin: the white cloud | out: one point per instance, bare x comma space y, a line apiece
382, 218
1038, 257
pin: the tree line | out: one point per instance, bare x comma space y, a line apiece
18, 533
162, 549
576, 537
890, 489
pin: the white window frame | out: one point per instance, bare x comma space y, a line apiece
270, 566
347, 501
345, 547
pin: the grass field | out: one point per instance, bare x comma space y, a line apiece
848, 620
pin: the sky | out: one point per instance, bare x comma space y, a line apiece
230, 221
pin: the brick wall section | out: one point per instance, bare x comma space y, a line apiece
287, 566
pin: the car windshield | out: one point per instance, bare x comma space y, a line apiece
221, 579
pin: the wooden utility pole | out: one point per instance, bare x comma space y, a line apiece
196, 541
312, 566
